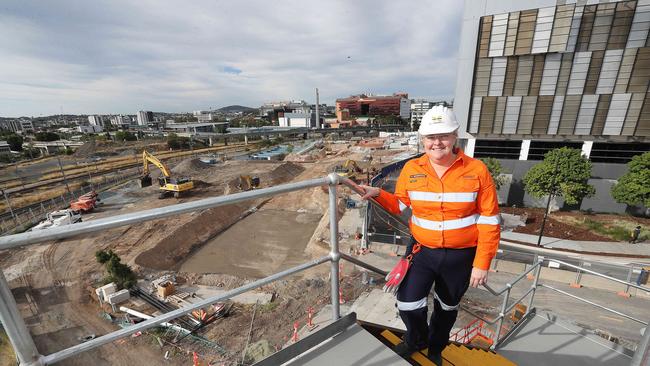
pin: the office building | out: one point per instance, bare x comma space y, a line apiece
144, 117
95, 120
537, 75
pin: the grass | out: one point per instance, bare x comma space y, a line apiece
265, 308
620, 230
7, 355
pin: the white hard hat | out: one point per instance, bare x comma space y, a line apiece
438, 120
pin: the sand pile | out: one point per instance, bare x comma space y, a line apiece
190, 166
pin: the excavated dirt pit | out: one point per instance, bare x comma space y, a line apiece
257, 246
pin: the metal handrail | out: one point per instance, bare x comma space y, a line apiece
593, 303
61, 232
601, 275
512, 283
16, 328
25, 348
642, 355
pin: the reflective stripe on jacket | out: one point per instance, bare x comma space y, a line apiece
458, 211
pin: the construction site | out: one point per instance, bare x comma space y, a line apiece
200, 254
68, 296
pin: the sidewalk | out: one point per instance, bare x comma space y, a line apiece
589, 247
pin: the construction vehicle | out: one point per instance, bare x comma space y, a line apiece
247, 182
59, 218
85, 203
168, 185
350, 169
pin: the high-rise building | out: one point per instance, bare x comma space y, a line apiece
144, 117
561, 74
95, 120
12, 125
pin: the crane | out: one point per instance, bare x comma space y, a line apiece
168, 184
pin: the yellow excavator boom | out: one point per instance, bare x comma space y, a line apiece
148, 158
168, 184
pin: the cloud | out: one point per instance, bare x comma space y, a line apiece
122, 56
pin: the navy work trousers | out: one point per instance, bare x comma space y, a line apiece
450, 270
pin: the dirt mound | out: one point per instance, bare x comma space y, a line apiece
172, 250
190, 167
200, 184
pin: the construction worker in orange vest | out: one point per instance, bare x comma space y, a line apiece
455, 226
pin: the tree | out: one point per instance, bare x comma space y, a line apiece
494, 166
633, 188
124, 136
564, 172
15, 142
47, 136
175, 142
118, 272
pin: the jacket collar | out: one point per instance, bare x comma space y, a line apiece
460, 155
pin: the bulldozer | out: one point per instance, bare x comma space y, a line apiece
168, 185
247, 182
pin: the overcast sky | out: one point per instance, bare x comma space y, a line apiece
107, 57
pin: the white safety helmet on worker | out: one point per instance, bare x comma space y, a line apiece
438, 120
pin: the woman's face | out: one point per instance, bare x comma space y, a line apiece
439, 148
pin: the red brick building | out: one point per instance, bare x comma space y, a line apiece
397, 104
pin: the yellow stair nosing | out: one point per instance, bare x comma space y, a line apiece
416, 356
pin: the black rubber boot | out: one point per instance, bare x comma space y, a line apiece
435, 358
404, 350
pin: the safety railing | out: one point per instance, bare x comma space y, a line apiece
16, 328
28, 354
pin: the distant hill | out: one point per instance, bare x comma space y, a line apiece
235, 109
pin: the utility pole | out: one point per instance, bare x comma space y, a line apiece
65, 179
317, 110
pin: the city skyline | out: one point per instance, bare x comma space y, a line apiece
119, 57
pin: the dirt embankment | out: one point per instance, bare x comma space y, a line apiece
169, 252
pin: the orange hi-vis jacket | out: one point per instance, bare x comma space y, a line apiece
459, 210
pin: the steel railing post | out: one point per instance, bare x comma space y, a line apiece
15, 327
629, 278
334, 245
579, 274
502, 316
538, 272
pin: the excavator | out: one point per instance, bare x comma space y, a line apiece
247, 182
168, 184
349, 169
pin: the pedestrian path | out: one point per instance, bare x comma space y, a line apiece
591, 247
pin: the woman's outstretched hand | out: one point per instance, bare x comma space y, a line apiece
369, 192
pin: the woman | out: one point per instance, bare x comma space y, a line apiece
455, 224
